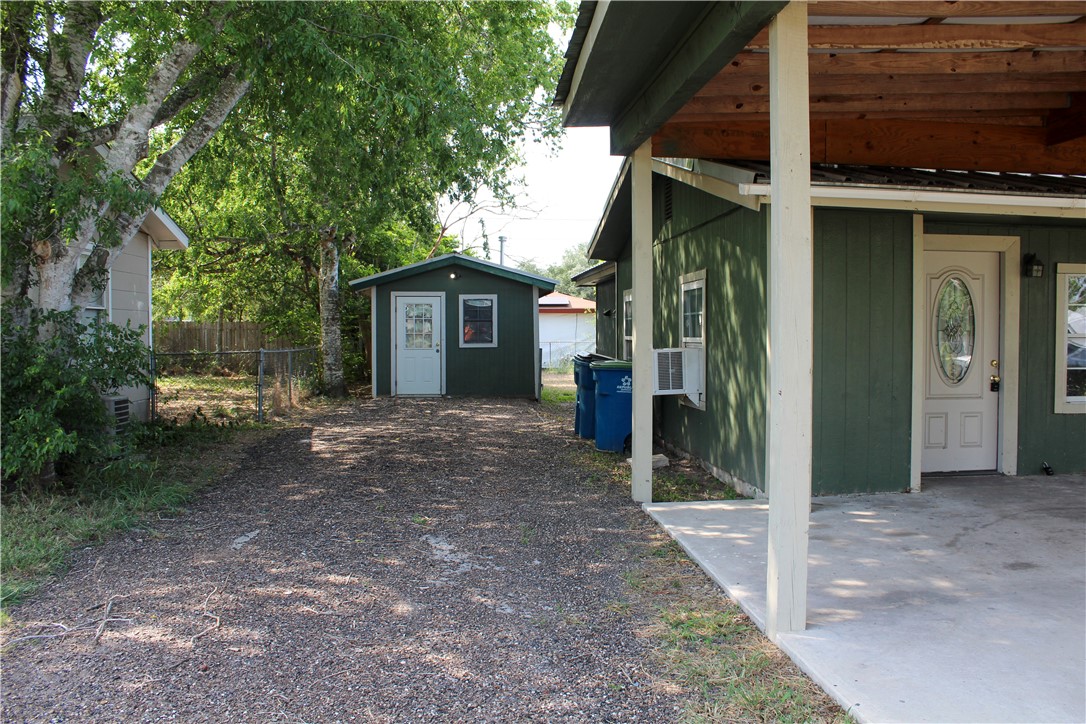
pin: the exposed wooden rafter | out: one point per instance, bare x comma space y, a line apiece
1005, 93
978, 147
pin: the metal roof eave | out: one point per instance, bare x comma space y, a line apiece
447, 260
595, 275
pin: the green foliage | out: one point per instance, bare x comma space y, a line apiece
165, 465
54, 371
373, 111
574, 261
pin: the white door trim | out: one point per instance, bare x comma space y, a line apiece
393, 297
1009, 249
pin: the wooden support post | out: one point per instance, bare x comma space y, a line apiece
791, 295
641, 192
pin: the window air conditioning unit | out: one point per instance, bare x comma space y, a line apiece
678, 372
118, 408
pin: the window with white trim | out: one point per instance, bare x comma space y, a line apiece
693, 309
692, 298
1071, 338
478, 320
97, 309
627, 324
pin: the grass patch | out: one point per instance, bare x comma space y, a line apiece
162, 470
707, 645
682, 484
557, 395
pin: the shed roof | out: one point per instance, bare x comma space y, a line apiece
447, 260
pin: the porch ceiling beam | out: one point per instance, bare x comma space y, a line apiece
972, 147
943, 37
1007, 116
935, 100
943, 9
723, 31
900, 83
1067, 124
930, 63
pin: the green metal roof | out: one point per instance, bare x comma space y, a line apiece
447, 260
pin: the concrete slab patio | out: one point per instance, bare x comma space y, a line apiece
964, 603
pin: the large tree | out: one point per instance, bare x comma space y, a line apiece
411, 101
149, 84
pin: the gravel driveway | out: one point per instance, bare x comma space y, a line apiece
423, 559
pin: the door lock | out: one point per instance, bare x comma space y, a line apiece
994, 383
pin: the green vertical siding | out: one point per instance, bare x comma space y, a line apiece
862, 340
1043, 436
862, 351
729, 243
507, 370
605, 324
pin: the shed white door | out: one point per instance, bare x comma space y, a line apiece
419, 333
961, 410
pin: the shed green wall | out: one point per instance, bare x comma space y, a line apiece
1043, 436
507, 370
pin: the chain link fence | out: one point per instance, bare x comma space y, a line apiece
239, 385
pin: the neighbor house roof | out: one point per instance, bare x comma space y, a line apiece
559, 303
448, 260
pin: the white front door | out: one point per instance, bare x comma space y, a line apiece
961, 398
418, 336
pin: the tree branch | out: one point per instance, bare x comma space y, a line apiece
66, 66
130, 144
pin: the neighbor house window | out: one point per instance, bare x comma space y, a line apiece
96, 310
478, 320
1071, 338
627, 324
693, 299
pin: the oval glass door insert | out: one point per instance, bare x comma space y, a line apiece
954, 329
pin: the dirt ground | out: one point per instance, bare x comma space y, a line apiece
425, 559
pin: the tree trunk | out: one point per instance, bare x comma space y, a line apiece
331, 337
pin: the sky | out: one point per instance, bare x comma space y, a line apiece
562, 200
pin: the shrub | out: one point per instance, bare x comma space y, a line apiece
53, 371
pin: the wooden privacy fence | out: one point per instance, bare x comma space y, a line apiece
214, 337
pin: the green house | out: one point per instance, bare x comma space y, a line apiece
845, 327
882, 268
455, 326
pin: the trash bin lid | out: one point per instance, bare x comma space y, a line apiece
613, 364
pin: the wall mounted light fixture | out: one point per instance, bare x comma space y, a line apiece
1032, 266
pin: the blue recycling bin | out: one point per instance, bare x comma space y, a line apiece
614, 404
584, 419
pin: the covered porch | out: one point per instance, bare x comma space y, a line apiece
964, 603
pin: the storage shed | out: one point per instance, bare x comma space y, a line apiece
456, 326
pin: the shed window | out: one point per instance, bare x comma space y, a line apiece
1071, 338
627, 324
479, 320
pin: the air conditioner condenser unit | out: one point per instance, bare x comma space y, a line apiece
678, 371
119, 409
